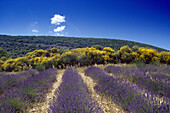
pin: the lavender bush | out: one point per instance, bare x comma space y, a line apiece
2, 74
33, 89
163, 69
10, 80
157, 73
149, 68
125, 94
72, 96
156, 83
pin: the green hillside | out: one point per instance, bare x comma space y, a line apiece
20, 45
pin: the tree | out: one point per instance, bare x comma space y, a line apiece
68, 59
3, 53
84, 60
3, 58
135, 48
98, 47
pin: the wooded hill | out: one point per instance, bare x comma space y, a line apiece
18, 46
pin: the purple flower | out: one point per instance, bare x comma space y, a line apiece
123, 93
72, 96
31, 90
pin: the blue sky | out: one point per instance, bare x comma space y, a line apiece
146, 21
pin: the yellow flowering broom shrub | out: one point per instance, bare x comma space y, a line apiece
62, 58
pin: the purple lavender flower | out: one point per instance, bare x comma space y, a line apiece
31, 90
157, 83
125, 94
72, 96
10, 80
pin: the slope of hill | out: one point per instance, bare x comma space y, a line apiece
20, 45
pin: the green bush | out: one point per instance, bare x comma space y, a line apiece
158, 63
84, 60
40, 67
98, 47
135, 48
138, 63
69, 59
3, 58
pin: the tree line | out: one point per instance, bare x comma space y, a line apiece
19, 46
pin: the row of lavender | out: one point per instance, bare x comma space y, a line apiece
31, 90
163, 69
158, 84
72, 96
2, 74
10, 80
125, 94
159, 73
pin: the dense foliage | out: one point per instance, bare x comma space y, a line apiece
20, 45
3, 53
62, 58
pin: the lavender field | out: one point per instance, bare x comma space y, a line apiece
84, 56
95, 89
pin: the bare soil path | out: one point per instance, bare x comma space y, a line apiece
43, 107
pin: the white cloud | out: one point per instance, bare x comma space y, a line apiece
57, 19
35, 30
59, 29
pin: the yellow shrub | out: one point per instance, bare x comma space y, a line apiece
148, 55
8, 65
164, 57
125, 49
135, 56
108, 49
